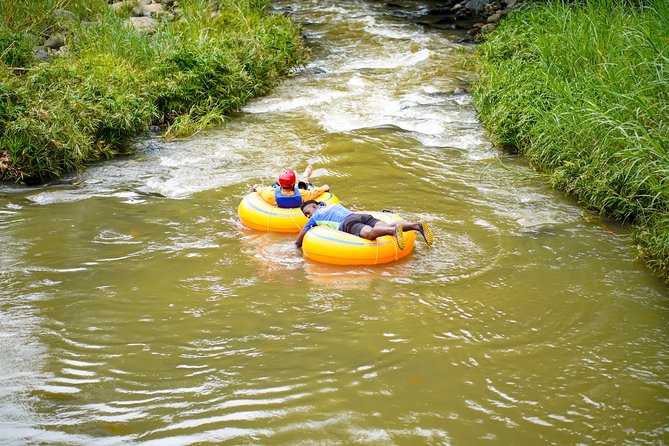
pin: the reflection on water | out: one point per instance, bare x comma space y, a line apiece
135, 308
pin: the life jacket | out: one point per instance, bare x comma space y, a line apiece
288, 201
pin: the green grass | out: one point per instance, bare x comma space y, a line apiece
582, 90
113, 82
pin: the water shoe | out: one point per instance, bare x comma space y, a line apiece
399, 237
426, 232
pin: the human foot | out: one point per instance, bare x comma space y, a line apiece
306, 176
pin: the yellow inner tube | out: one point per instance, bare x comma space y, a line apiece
327, 245
258, 214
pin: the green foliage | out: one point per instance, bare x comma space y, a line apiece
36, 16
71, 112
113, 81
217, 63
16, 50
582, 90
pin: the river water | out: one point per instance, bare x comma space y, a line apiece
135, 309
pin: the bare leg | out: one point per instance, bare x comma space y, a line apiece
380, 229
306, 176
406, 226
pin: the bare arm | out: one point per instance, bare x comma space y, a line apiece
267, 194
315, 193
300, 237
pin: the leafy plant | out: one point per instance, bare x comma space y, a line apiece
582, 90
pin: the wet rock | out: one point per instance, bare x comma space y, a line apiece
488, 27
315, 70
117, 6
55, 41
476, 6
143, 24
152, 10
496, 17
42, 54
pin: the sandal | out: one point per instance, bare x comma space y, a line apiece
426, 232
399, 237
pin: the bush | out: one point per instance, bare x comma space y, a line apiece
582, 90
113, 82
16, 50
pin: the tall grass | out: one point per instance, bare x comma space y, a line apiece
36, 16
113, 82
582, 90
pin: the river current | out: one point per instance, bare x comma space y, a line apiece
136, 309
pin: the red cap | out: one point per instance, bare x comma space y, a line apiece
287, 178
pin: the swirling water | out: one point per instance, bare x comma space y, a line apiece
135, 309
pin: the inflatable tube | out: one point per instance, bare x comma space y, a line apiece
328, 245
256, 213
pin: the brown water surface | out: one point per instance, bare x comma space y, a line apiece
135, 309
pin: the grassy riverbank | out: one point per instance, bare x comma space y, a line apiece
582, 91
112, 82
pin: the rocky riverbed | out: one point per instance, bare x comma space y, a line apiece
474, 16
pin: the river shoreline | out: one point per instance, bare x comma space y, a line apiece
80, 85
586, 104
136, 309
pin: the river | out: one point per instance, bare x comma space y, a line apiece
136, 309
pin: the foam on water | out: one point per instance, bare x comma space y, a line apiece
387, 63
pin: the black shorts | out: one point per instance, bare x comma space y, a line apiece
354, 223
300, 185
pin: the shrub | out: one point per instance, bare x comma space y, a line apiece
582, 90
113, 82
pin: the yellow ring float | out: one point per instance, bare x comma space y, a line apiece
327, 245
258, 214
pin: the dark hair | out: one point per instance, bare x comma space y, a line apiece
317, 203
306, 203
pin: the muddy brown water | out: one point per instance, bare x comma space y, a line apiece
135, 309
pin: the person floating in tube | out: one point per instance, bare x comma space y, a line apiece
366, 226
289, 193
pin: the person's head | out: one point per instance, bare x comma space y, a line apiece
309, 207
287, 179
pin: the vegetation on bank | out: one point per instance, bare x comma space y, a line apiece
582, 90
110, 82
